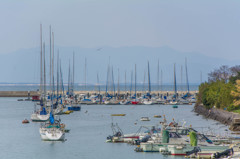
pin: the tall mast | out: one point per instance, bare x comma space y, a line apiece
125, 81
175, 83
158, 75
73, 71
135, 82
181, 77
131, 83
98, 84
149, 83
41, 71
186, 75
69, 79
113, 82
108, 71
144, 78
161, 81
53, 87
50, 57
57, 74
118, 83
44, 69
61, 77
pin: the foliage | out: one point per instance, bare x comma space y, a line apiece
224, 73
236, 94
222, 90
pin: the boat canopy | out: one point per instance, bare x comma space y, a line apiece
43, 112
51, 118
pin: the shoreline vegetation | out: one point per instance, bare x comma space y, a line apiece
219, 98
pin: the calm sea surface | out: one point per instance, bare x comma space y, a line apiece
88, 133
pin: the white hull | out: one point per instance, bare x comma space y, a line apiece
52, 134
147, 102
38, 117
205, 150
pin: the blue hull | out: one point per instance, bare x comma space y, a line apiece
76, 108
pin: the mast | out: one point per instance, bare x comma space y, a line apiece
161, 81
57, 74
73, 71
181, 77
175, 83
131, 83
158, 75
118, 83
41, 71
53, 87
113, 82
44, 69
149, 83
144, 77
98, 84
107, 79
50, 57
135, 82
186, 75
69, 79
61, 77
125, 81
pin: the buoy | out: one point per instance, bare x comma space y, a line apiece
25, 121
175, 106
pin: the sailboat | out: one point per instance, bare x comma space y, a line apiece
135, 102
51, 130
41, 115
148, 100
74, 106
175, 96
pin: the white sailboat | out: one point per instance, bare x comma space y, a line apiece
52, 130
41, 115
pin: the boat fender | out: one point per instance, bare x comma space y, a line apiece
179, 147
162, 149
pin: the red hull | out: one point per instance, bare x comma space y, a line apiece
134, 102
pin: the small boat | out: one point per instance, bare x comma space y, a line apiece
157, 116
118, 114
145, 119
25, 121
175, 106
147, 102
135, 102
68, 111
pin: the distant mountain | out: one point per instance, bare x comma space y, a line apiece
22, 66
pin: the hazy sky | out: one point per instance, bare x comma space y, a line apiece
210, 27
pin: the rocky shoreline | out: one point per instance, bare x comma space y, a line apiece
222, 116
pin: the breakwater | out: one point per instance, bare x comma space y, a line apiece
18, 93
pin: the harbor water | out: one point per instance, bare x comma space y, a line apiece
88, 130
